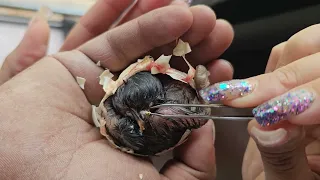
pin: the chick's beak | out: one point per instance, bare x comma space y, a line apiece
139, 120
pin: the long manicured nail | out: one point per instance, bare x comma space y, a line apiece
43, 13
268, 138
226, 90
282, 107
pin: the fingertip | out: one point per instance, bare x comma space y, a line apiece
220, 70
204, 21
215, 44
177, 19
207, 14
200, 159
31, 48
228, 30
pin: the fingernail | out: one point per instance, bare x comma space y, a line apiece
43, 13
268, 138
226, 90
282, 107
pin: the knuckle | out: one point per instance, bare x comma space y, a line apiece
305, 42
287, 76
144, 36
116, 53
278, 49
281, 162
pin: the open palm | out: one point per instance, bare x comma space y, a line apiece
46, 129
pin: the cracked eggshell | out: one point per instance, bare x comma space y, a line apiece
161, 65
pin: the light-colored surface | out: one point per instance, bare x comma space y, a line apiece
11, 35
72, 7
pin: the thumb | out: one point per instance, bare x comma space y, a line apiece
32, 47
282, 151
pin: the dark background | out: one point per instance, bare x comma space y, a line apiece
261, 24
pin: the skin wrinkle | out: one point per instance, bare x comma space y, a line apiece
121, 56
91, 29
66, 168
195, 172
73, 151
35, 87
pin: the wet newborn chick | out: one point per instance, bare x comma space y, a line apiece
128, 125
123, 117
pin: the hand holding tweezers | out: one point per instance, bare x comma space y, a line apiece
218, 112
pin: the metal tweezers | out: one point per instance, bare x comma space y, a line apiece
218, 112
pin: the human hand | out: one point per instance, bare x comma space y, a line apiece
284, 149
205, 34
47, 132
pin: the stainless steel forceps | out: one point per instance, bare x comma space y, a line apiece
218, 112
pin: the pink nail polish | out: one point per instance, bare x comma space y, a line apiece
282, 107
226, 90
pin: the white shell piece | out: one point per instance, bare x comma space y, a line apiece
94, 116
161, 65
81, 81
182, 48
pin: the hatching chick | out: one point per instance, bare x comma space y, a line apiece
129, 127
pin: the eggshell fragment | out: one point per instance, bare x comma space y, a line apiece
182, 48
81, 81
161, 65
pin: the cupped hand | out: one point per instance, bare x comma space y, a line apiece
284, 141
208, 37
46, 129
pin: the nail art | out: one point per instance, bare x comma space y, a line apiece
226, 90
282, 107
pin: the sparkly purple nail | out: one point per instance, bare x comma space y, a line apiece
282, 107
226, 90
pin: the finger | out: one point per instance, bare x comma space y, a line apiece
293, 95
192, 162
304, 43
275, 56
119, 47
204, 20
256, 90
97, 20
127, 37
105, 14
282, 151
79, 65
214, 45
144, 6
220, 70
32, 47
252, 166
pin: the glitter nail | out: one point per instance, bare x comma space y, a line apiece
226, 90
282, 107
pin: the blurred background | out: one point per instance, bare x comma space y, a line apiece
258, 25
